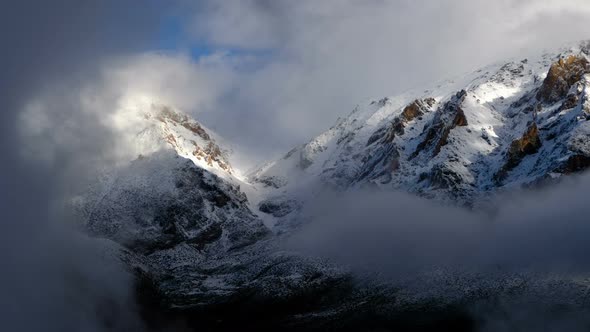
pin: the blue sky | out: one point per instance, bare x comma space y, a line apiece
173, 37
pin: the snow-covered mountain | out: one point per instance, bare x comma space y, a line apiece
203, 235
145, 127
187, 227
512, 124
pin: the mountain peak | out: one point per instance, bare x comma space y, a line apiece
148, 127
512, 124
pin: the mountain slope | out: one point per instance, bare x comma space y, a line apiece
508, 125
210, 241
145, 127
176, 206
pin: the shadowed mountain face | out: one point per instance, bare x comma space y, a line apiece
206, 243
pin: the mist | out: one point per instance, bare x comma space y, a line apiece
316, 60
281, 72
55, 279
398, 233
534, 240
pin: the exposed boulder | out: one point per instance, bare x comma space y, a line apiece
561, 76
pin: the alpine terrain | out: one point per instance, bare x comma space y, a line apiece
205, 238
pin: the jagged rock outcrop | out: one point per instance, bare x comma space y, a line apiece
380, 163
528, 144
462, 145
561, 76
396, 128
200, 145
162, 200
417, 108
449, 117
198, 243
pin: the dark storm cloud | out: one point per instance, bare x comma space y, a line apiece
51, 280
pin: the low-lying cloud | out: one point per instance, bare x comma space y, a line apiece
527, 250
396, 233
312, 62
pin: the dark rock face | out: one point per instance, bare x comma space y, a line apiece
562, 75
377, 135
208, 151
380, 163
193, 242
166, 113
570, 102
184, 204
271, 181
528, 144
397, 127
417, 108
575, 164
443, 177
382, 156
337, 304
446, 119
278, 207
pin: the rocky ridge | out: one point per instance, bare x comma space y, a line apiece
506, 125
201, 243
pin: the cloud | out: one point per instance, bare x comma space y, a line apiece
397, 233
327, 56
86, 126
54, 280
520, 265
285, 70
288, 70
